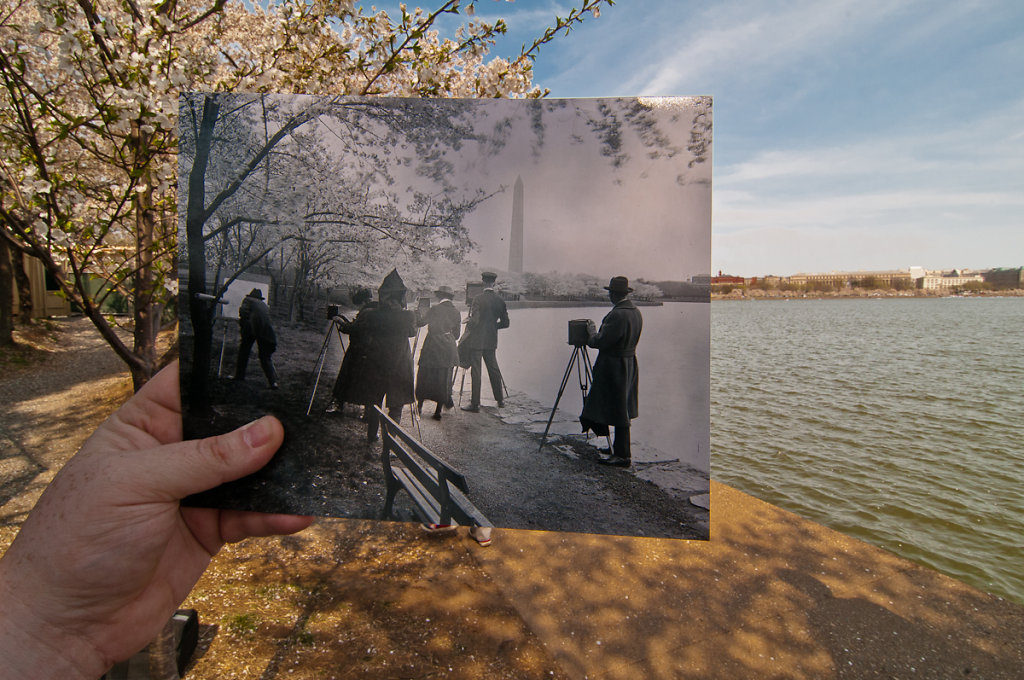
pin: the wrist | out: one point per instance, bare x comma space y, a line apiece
33, 648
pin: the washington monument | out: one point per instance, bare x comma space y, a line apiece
515, 246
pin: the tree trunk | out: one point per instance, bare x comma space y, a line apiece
24, 284
145, 310
195, 218
6, 295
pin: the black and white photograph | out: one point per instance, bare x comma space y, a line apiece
486, 313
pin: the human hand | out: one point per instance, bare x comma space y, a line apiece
107, 554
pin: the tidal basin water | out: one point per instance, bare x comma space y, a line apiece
896, 421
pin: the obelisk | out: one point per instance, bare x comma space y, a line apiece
515, 245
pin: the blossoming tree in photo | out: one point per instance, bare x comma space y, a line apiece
89, 96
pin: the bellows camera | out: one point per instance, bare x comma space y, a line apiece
579, 332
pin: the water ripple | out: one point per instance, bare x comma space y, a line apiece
895, 421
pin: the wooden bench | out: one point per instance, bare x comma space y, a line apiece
437, 489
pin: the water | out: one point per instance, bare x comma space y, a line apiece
895, 421
673, 356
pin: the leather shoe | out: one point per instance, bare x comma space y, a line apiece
501, 403
614, 461
471, 409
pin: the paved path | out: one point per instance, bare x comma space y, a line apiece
48, 410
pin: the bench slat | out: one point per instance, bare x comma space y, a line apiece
436, 488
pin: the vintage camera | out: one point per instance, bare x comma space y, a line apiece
579, 331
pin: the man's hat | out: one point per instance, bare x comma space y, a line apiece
361, 295
444, 291
255, 293
392, 285
489, 276
618, 284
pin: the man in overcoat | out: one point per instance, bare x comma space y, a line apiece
352, 372
254, 325
613, 397
488, 314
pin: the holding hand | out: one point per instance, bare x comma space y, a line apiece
107, 554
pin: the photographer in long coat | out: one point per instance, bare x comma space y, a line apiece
388, 370
613, 397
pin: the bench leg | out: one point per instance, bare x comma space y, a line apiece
392, 489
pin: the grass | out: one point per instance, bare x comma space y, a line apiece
241, 624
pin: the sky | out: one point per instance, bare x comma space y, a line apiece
849, 135
647, 218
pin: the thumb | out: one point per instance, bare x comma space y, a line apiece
173, 471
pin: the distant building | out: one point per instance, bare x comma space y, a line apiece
1005, 278
47, 298
724, 279
943, 281
885, 279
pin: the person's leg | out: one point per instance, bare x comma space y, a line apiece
244, 347
267, 361
474, 372
437, 411
372, 422
621, 447
395, 413
494, 374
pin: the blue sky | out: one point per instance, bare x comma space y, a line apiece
848, 135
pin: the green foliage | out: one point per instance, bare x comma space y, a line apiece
241, 624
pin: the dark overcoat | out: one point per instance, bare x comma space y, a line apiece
613, 398
353, 370
254, 321
439, 353
385, 364
487, 315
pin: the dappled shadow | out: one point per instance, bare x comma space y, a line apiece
364, 599
770, 595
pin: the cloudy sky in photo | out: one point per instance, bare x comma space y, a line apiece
848, 135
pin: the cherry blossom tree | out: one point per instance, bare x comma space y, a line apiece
90, 92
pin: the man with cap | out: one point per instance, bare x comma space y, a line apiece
487, 316
440, 352
613, 397
254, 324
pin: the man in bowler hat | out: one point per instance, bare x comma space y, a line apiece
613, 397
487, 316
254, 324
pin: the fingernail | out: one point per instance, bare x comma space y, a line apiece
256, 433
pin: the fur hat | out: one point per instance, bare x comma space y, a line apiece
392, 286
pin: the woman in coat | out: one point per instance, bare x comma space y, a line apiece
439, 354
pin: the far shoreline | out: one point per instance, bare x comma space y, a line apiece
859, 294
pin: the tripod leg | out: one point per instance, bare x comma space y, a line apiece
223, 342
561, 390
319, 367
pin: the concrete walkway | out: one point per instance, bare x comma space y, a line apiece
769, 596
